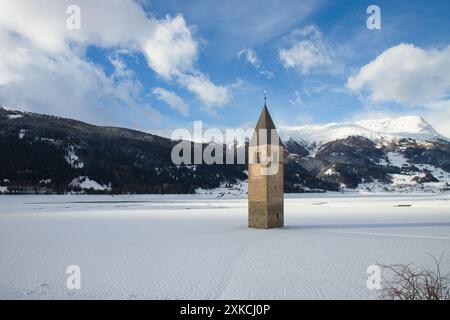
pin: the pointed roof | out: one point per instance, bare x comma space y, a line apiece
264, 122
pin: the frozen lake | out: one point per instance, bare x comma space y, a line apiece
192, 247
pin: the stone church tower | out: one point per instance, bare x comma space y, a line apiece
265, 175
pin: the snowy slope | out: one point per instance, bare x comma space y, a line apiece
185, 247
414, 127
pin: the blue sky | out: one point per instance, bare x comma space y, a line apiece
241, 48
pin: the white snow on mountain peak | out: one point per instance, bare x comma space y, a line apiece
399, 125
414, 127
12, 109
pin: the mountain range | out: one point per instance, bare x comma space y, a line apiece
409, 127
48, 154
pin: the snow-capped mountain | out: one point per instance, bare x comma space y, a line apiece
391, 154
47, 154
413, 127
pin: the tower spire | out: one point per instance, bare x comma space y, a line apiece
265, 98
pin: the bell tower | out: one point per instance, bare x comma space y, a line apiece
265, 175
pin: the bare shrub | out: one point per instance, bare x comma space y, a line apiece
408, 282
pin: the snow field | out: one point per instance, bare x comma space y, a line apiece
195, 247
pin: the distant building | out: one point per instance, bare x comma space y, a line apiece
265, 175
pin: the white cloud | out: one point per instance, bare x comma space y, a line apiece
251, 57
172, 99
43, 65
65, 85
105, 23
307, 52
171, 50
297, 101
438, 114
405, 74
267, 74
211, 95
120, 68
255, 61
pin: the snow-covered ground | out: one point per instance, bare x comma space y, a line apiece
196, 247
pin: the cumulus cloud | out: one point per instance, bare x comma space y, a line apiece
172, 99
211, 95
65, 84
307, 52
171, 50
43, 66
105, 23
405, 74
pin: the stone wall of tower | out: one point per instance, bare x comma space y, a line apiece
265, 192
275, 185
257, 196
